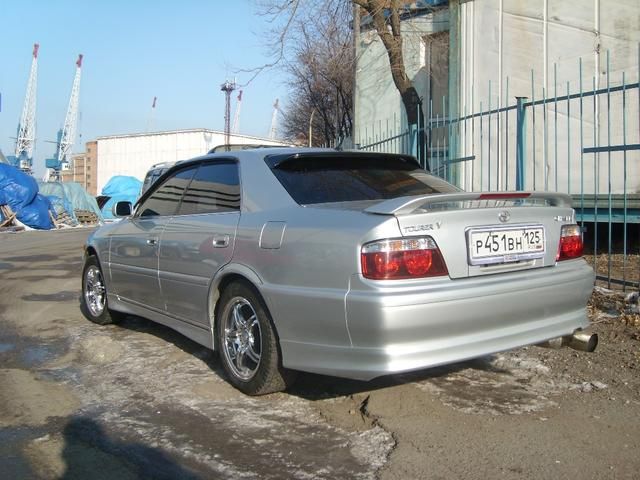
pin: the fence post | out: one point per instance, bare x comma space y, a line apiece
422, 157
521, 130
413, 139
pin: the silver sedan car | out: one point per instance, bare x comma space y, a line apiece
349, 264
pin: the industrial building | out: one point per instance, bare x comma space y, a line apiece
133, 154
83, 169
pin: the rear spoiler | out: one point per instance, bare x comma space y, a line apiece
406, 205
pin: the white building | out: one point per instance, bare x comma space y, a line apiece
133, 154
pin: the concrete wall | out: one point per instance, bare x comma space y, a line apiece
536, 47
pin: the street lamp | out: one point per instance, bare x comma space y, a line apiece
313, 111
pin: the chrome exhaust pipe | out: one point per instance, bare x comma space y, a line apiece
583, 341
578, 340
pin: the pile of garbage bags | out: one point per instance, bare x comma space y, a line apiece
19, 191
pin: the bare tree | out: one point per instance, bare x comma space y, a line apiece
313, 41
320, 79
385, 16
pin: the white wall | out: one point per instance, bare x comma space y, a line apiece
134, 154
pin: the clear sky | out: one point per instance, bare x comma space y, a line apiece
180, 51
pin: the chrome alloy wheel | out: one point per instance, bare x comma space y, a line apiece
94, 291
242, 338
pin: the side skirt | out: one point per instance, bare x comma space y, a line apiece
197, 333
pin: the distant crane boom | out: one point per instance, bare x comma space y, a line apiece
236, 118
274, 121
67, 134
27, 127
71, 119
150, 123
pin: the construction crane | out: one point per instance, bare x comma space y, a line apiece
274, 121
26, 138
236, 118
66, 135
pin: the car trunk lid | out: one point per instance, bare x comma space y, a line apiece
485, 233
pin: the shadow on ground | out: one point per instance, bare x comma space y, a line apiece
310, 386
89, 452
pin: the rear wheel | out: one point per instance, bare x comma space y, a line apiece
93, 302
248, 343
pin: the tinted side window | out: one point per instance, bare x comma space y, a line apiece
215, 188
165, 199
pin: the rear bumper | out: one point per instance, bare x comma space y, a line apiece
397, 328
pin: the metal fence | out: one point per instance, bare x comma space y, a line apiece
581, 138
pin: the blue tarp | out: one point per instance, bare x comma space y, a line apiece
20, 192
120, 188
69, 197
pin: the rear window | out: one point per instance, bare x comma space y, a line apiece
152, 176
327, 179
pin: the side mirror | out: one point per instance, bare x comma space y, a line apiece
122, 209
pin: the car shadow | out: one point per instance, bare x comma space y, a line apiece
320, 387
310, 386
90, 452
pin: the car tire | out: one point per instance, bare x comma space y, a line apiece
93, 301
248, 343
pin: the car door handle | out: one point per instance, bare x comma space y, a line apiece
220, 241
152, 241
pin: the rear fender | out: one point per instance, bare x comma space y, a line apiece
226, 274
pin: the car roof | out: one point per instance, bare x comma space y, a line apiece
280, 154
262, 190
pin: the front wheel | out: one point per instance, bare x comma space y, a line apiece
248, 344
93, 302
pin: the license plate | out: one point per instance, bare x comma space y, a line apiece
505, 244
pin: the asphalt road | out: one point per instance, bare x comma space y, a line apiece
137, 400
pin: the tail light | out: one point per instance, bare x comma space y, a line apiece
571, 245
402, 258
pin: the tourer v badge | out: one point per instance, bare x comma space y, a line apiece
422, 228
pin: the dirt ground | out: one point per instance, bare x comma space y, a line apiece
140, 401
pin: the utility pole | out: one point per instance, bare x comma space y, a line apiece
227, 87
